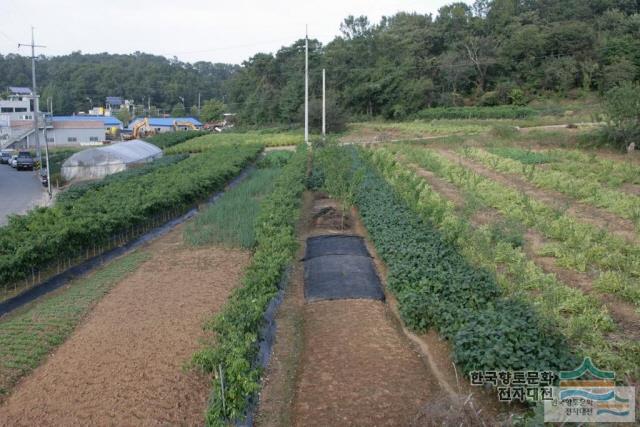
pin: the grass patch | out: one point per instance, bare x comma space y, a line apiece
275, 159
27, 337
526, 157
231, 220
500, 112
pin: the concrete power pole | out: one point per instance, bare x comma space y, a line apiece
306, 87
199, 105
324, 105
36, 108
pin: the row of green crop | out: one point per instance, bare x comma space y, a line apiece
580, 318
207, 142
526, 157
231, 356
437, 287
168, 139
45, 235
579, 164
501, 112
230, 221
585, 189
576, 245
78, 190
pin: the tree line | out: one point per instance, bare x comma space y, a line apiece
78, 82
491, 52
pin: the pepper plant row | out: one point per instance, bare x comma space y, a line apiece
78, 190
45, 235
204, 143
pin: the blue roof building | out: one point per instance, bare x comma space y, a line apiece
166, 124
107, 121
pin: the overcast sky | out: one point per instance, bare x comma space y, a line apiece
193, 30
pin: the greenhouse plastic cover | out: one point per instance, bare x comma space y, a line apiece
95, 163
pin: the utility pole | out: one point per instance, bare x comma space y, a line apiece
324, 106
199, 105
36, 108
306, 86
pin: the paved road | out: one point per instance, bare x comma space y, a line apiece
19, 192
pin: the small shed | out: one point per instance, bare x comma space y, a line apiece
96, 163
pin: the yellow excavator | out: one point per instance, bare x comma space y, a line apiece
188, 125
142, 128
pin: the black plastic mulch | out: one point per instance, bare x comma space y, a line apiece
339, 267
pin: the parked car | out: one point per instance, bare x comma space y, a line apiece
5, 156
14, 161
24, 161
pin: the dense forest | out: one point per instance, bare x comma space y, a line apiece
76, 82
489, 53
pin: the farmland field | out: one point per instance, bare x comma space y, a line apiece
498, 249
431, 218
556, 227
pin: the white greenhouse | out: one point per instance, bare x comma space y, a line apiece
95, 163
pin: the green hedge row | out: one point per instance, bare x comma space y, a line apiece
78, 190
45, 235
165, 140
501, 112
437, 287
237, 327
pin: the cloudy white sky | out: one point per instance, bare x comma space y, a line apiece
218, 31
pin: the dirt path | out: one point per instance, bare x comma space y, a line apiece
348, 362
124, 364
358, 369
583, 212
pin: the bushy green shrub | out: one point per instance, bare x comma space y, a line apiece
509, 336
622, 112
168, 139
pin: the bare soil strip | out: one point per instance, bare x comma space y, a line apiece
622, 312
358, 369
586, 213
124, 365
